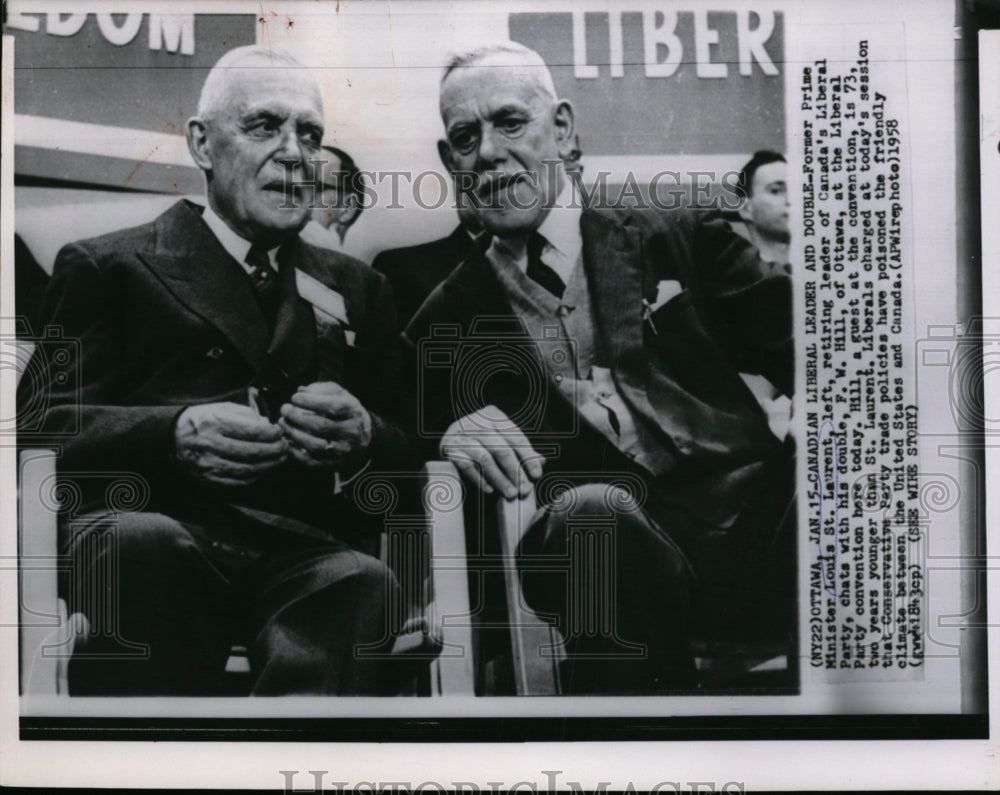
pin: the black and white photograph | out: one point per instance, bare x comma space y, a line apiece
560, 392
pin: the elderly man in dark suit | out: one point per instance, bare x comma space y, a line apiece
245, 376
595, 354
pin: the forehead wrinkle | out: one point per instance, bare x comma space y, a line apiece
523, 93
243, 87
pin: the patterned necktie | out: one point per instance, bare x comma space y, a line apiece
264, 279
538, 271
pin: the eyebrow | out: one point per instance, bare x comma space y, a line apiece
257, 114
506, 110
503, 110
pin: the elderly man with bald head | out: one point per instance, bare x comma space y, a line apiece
245, 376
595, 357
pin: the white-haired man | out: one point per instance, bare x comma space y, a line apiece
232, 367
597, 353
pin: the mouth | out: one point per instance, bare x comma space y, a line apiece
492, 189
279, 189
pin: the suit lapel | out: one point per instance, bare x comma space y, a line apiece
460, 244
612, 260
475, 289
194, 266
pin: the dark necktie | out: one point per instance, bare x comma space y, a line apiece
264, 279
538, 271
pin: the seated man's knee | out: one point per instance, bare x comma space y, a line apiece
151, 541
552, 552
594, 499
591, 507
361, 572
372, 574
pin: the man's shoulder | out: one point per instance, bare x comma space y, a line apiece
137, 237
653, 220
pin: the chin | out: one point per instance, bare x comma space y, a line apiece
510, 223
285, 221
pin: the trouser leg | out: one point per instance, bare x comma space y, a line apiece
317, 615
619, 588
157, 608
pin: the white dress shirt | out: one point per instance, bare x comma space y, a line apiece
236, 246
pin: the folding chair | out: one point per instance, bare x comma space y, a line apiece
537, 649
436, 639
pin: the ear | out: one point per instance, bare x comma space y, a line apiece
444, 152
197, 141
565, 124
744, 210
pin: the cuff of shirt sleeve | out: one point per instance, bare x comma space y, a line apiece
340, 482
171, 443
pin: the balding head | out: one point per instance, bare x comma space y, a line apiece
243, 63
259, 124
523, 64
506, 135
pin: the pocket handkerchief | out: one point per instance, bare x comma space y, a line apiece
325, 299
665, 290
328, 305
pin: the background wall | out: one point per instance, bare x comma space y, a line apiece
101, 99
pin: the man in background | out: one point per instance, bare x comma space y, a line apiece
414, 271
340, 202
762, 188
242, 375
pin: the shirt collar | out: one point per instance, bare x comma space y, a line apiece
561, 227
236, 246
561, 230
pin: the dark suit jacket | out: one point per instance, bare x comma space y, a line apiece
164, 319
677, 367
414, 271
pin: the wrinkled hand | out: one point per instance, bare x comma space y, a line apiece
327, 426
227, 443
492, 453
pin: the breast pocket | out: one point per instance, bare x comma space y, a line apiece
681, 342
685, 351
676, 316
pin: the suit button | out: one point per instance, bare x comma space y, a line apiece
214, 353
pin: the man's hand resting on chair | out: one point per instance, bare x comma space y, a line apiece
492, 453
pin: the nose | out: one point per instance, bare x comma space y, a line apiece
491, 148
290, 150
